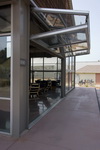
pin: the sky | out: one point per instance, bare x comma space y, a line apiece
93, 6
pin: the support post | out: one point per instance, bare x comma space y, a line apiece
20, 56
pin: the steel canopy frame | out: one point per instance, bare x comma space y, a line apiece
65, 29
59, 31
61, 11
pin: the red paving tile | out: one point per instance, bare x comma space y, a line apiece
74, 124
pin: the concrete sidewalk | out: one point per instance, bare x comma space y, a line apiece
74, 124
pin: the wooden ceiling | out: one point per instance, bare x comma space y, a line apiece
61, 4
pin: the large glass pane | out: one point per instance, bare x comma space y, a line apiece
73, 79
49, 75
54, 20
79, 46
59, 64
50, 63
45, 73
52, 75
70, 80
37, 63
62, 20
38, 76
67, 70
5, 19
77, 39
5, 54
82, 52
73, 73
76, 36
5, 115
72, 64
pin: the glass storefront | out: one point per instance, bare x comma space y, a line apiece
4, 115
5, 61
43, 56
45, 85
5, 69
5, 56
45, 68
70, 74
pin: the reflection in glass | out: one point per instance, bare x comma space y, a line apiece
38, 76
79, 46
5, 54
77, 37
50, 63
5, 115
37, 63
52, 76
70, 80
59, 64
63, 20
73, 80
67, 69
54, 20
80, 52
79, 20
5, 19
70, 74
46, 73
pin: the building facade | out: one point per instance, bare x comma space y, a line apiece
89, 73
38, 46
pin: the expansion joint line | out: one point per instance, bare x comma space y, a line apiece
98, 101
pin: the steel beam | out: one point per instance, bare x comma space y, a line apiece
57, 32
61, 11
39, 46
66, 44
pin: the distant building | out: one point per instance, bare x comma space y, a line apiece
89, 73
80, 64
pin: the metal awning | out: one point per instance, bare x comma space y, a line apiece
68, 31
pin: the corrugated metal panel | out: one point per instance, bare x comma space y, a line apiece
97, 78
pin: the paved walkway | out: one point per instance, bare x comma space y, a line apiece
74, 124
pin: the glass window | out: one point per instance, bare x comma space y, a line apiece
38, 76
70, 73
63, 20
59, 64
5, 19
50, 63
67, 68
73, 79
5, 115
37, 63
50, 75
79, 46
5, 57
5, 70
